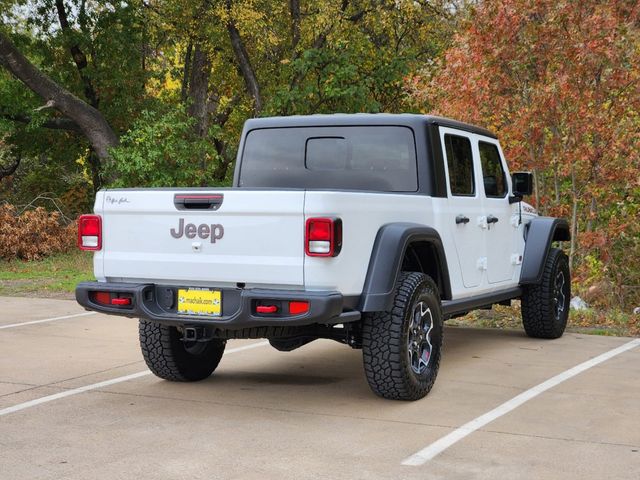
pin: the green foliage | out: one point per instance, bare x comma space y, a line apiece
340, 79
336, 57
162, 150
334, 84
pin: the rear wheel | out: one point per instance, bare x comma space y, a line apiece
545, 307
402, 347
170, 358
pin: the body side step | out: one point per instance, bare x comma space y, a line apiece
453, 307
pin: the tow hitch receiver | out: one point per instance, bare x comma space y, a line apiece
196, 334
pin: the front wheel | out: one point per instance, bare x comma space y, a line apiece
171, 358
545, 307
402, 347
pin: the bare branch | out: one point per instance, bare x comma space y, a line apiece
222, 116
78, 56
49, 104
57, 123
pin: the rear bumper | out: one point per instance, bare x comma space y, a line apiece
157, 303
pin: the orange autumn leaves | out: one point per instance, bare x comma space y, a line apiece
33, 234
559, 81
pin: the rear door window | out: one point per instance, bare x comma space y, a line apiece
494, 178
460, 164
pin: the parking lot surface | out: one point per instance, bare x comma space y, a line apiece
76, 401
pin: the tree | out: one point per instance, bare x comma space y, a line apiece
559, 81
87, 118
236, 59
135, 67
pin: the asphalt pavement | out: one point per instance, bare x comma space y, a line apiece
77, 402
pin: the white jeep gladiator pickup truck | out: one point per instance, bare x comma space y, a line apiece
366, 229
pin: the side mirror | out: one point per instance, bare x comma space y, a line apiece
522, 183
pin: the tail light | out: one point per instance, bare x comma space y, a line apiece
323, 237
90, 232
112, 298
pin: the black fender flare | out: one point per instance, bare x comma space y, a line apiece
540, 232
388, 252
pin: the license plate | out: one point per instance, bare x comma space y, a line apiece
195, 301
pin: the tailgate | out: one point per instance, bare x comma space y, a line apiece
254, 237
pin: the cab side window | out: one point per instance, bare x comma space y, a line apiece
460, 163
495, 180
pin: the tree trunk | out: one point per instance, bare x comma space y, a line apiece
199, 94
541, 191
199, 90
556, 184
294, 11
90, 121
593, 210
532, 158
220, 173
244, 64
574, 218
10, 169
536, 189
186, 72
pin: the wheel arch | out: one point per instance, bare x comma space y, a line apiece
415, 246
540, 233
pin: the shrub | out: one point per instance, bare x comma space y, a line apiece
34, 234
162, 150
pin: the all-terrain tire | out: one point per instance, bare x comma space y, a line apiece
387, 345
545, 307
170, 358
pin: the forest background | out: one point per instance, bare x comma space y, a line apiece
154, 93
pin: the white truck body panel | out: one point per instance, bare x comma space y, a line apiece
262, 243
362, 216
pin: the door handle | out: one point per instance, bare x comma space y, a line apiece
461, 219
492, 219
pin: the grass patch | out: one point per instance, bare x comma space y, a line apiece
58, 275
611, 322
54, 276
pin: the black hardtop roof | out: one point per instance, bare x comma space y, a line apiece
360, 119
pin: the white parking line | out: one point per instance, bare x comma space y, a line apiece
106, 383
33, 322
452, 438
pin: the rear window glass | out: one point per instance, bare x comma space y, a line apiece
353, 158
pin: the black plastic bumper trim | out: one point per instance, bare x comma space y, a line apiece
326, 307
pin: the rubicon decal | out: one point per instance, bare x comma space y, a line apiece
215, 231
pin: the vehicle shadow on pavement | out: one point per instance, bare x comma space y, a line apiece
324, 362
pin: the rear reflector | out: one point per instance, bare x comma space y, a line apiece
323, 237
266, 309
90, 232
120, 301
296, 308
